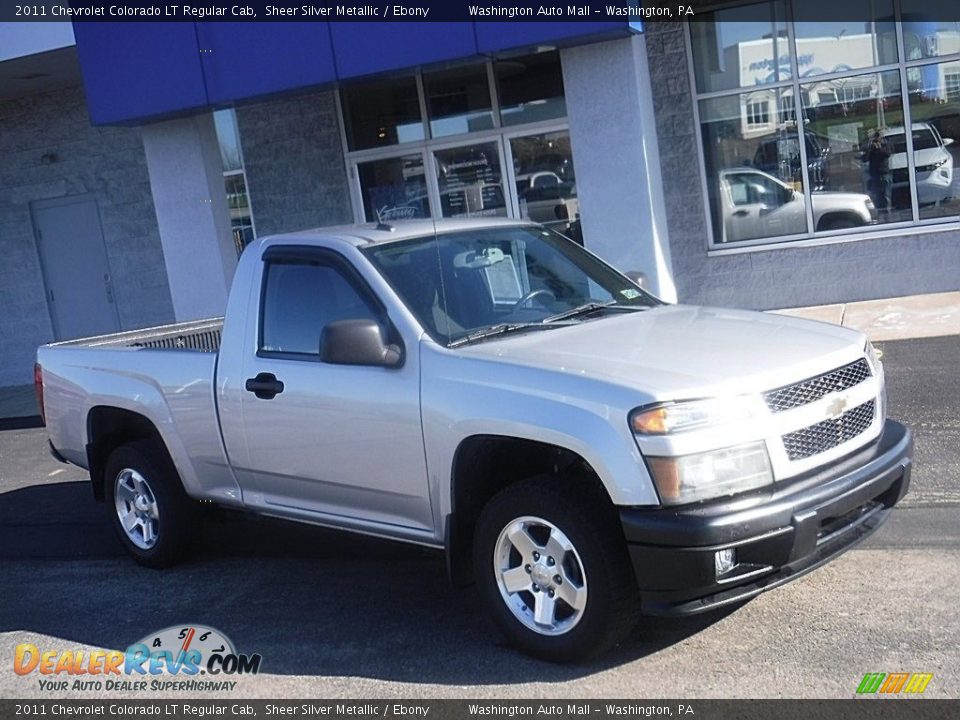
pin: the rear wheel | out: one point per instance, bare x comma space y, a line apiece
149, 510
552, 567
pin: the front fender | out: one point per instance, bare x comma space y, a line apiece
468, 397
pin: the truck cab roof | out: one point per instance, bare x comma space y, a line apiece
360, 234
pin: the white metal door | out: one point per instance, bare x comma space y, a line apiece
75, 267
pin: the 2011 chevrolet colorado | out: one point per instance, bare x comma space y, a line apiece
580, 449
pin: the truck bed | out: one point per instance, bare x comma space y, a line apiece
202, 335
165, 374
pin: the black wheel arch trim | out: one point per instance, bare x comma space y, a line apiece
109, 427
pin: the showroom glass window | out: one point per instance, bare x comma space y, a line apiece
815, 125
530, 88
234, 178
382, 112
394, 188
545, 182
458, 100
481, 139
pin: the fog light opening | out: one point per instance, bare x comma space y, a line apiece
724, 561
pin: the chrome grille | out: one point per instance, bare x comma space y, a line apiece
808, 391
827, 434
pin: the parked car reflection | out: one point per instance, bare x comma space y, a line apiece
754, 204
546, 198
934, 164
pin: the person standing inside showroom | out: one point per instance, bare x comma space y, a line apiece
877, 157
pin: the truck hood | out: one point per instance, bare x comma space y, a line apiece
830, 199
927, 156
828, 202
683, 351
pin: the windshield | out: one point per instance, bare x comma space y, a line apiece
459, 283
922, 140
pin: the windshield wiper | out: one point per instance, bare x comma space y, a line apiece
505, 328
588, 308
492, 331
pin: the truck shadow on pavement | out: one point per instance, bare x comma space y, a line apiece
311, 601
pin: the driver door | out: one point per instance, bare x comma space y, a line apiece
339, 441
762, 207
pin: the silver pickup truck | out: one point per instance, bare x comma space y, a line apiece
579, 449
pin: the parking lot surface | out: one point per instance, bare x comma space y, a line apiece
342, 616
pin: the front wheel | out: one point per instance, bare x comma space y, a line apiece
552, 567
839, 222
148, 508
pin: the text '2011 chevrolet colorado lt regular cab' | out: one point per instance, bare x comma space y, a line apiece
581, 450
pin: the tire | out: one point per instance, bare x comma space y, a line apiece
150, 494
570, 518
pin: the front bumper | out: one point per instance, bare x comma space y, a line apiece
779, 533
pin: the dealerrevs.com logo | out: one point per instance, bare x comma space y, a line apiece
894, 683
172, 659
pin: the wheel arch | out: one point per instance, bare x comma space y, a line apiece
108, 428
827, 220
485, 464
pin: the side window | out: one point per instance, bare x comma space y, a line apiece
765, 191
300, 298
738, 190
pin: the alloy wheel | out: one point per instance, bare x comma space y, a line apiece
137, 508
540, 575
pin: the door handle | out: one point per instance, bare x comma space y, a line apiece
740, 213
265, 386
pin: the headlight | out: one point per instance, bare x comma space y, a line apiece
876, 367
873, 359
678, 417
931, 167
711, 474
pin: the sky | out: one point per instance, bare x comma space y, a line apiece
26, 38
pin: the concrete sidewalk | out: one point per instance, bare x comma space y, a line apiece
916, 316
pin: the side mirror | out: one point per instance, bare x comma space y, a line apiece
358, 342
947, 141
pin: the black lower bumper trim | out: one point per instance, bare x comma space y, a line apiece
777, 534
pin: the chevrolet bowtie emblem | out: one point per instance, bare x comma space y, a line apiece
836, 407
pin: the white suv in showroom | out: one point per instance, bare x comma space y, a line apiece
934, 163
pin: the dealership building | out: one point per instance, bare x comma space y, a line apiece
722, 158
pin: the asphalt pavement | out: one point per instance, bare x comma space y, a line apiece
342, 616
